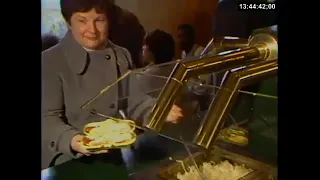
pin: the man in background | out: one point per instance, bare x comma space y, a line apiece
126, 31
186, 40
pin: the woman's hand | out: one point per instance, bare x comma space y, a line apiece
175, 114
76, 146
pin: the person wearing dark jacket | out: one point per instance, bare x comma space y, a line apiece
127, 31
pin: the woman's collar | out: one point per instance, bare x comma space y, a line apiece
75, 54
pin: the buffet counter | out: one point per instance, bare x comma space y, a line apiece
261, 147
231, 120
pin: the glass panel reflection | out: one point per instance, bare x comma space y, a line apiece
144, 87
256, 114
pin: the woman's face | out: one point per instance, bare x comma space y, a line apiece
90, 29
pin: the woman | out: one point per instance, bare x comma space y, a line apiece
74, 71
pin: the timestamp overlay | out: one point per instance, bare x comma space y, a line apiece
257, 6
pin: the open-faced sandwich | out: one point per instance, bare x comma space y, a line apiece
109, 134
110, 125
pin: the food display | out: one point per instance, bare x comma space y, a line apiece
211, 171
220, 164
111, 133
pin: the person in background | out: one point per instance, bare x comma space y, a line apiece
186, 40
158, 48
127, 31
73, 72
158, 52
49, 41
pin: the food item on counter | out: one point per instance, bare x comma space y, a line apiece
109, 133
222, 171
238, 139
234, 135
238, 131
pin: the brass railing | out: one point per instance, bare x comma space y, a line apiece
262, 46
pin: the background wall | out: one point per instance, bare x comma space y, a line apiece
168, 14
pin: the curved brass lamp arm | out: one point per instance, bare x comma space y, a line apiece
261, 47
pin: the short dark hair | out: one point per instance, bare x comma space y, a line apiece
188, 29
161, 45
69, 7
48, 41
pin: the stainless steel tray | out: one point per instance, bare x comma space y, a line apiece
261, 171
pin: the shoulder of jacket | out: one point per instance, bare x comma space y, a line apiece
52, 57
126, 54
123, 50
119, 48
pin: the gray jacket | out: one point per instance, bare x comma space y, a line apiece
70, 77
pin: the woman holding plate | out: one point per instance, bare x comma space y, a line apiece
75, 70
